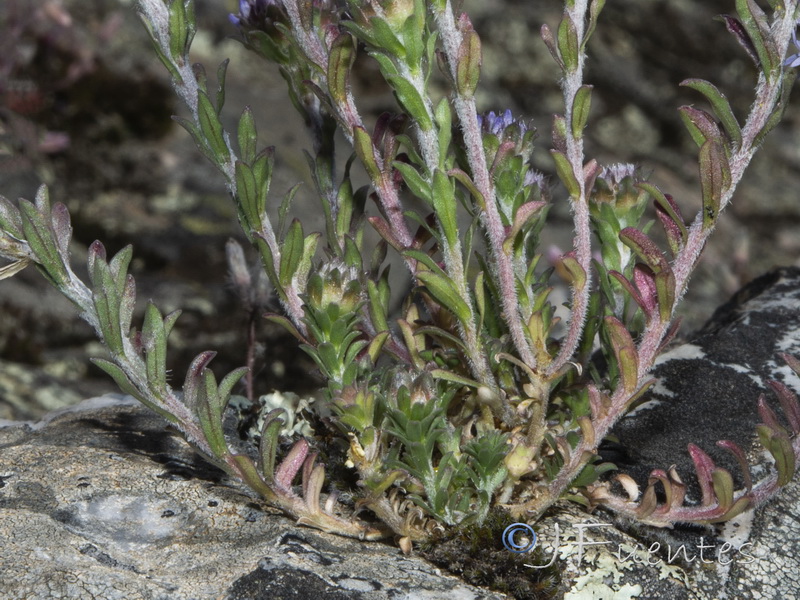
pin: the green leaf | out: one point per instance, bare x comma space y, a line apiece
127, 387
412, 101
40, 238
566, 175
550, 41
664, 277
291, 252
445, 205
568, 45
362, 144
754, 22
341, 57
222, 70
248, 136
178, 30
452, 377
376, 345
468, 66
385, 38
722, 107
268, 447
625, 352
444, 121
418, 186
580, 109
154, 338
700, 125
247, 196
10, 218
715, 178
594, 12
722, 482
377, 308
211, 128
445, 292
522, 218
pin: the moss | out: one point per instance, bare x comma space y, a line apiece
476, 554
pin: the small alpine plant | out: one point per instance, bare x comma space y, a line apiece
475, 395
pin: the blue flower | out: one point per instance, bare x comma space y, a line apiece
496, 124
794, 59
252, 12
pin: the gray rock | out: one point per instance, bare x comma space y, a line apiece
707, 391
102, 501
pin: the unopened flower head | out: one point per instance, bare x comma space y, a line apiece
616, 185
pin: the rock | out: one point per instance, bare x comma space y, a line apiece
707, 391
102, 501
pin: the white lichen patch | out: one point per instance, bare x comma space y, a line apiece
682, 352
598, 568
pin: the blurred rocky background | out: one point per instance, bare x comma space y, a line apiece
85, 107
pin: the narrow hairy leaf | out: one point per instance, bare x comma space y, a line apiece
722, 483
208, 411
568, 44
211, 128
62, 230
580, 109
594, 12
735, 27
454, 378
566, 174
625, 352
10, 218
178, 30
704, 467
444, 123
740, 457
41, 240
789, 404
291, 252
722, 107
154, 338
753, 20
418, 186
576, 276
291, 464
700, 125
411, 99
715, 177
222, 71
631, 289
663, 276
125, 385
445, 292
550, 41
362, 144
468, 67
445, 205
340, 60
523, 217
268, 446
248, 136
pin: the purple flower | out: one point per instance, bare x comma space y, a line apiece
496, 124
794, 59
253, 12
